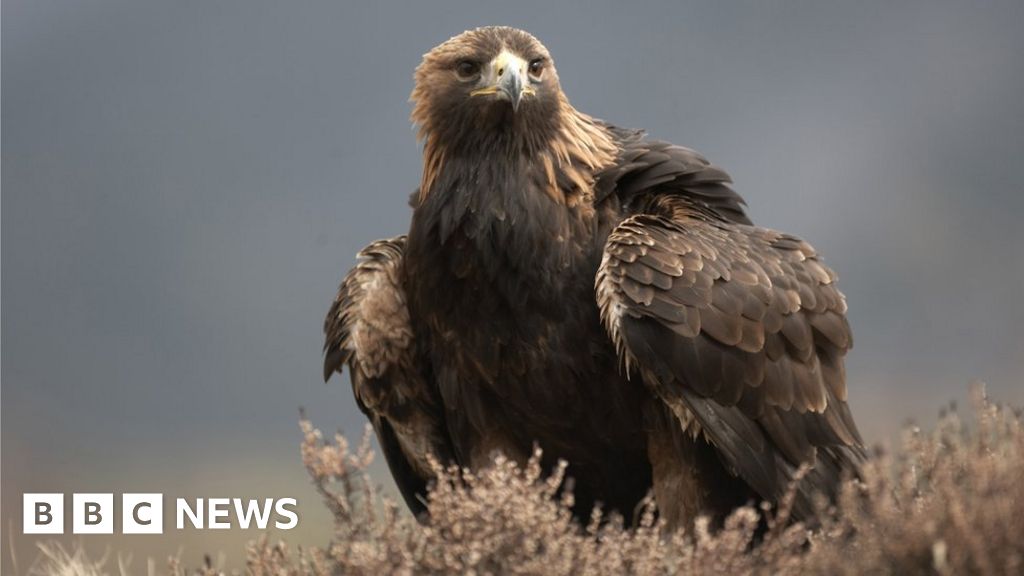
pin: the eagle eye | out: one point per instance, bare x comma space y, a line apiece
536, 68
467, 69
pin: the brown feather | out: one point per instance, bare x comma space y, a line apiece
771, 339
481, 332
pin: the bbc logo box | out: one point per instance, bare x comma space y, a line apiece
92, 513
42, 514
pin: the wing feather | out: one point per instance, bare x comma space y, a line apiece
368, 329
741, 328
644, 164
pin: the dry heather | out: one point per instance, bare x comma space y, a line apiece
949, 502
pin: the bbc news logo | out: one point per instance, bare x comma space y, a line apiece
144, 513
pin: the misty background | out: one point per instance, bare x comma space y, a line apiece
185, 184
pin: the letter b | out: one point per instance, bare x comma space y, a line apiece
42, 514
92, 514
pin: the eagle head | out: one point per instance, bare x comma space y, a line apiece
493, 94
486, 83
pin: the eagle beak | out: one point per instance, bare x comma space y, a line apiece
505, 78
510, 86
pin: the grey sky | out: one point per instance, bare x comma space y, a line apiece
185, 183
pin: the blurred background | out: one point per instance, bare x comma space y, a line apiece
185, 183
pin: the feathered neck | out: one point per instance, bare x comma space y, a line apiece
570, 148
512, 211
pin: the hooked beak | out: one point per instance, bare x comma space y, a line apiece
505, 78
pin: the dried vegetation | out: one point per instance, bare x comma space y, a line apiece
949, 501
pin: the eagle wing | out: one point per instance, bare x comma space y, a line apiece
741, 332
368, 329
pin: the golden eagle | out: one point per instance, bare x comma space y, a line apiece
578, 286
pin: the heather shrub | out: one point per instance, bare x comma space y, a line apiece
949, 501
